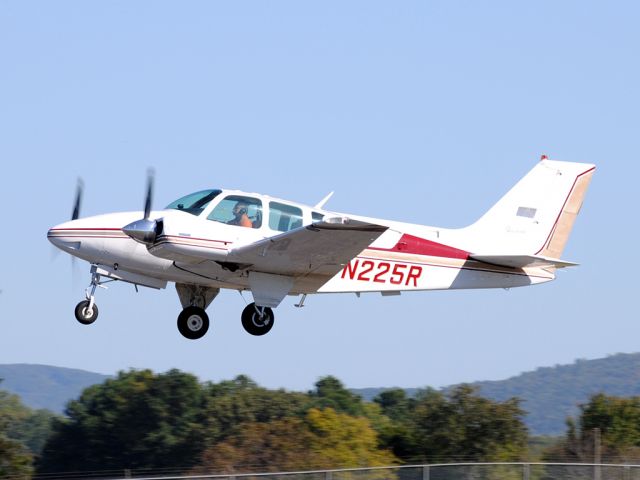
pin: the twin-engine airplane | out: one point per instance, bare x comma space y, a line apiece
216, 239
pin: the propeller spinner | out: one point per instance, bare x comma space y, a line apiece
144, 230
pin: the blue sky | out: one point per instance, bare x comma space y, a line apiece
417, 111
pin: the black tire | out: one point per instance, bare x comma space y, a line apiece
193, 323
81, 313
253, 323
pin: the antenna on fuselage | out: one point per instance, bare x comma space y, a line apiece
322, 202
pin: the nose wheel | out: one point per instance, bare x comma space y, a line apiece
193, 322
257, 320
86, 314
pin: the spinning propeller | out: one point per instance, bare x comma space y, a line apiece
75, 214
76, 205
144, 230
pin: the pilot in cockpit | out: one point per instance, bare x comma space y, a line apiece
241, 217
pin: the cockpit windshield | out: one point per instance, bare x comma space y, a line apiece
194, 203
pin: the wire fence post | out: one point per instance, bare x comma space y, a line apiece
597, 453
526, 471
327, 475
425, 472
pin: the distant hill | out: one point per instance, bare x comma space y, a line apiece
551, 394
43, 386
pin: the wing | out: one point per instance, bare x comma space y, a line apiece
523, 261
320, 248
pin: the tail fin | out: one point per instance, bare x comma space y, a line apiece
536, 216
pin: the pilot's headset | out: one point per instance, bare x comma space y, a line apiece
242, 209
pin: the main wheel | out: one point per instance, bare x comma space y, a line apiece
193, 323
83, 315
257, 324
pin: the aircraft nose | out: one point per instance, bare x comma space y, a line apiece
60, 236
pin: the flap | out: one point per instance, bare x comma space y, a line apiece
522, 261
329, 244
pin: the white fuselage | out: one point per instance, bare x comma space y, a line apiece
214, 239
405, 257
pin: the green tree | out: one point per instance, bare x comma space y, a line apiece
15, 459
395, 404
461, 425
331, 393
232, 403
137, 420
618, 421
399, 432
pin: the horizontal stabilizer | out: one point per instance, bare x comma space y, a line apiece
523, 261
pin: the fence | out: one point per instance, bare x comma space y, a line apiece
444, 471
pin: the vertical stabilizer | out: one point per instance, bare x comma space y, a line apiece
536, 216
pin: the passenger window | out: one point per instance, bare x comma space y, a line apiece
284, 217
316, 217
238, 210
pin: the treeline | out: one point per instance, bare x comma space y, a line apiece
23, 433
142, 421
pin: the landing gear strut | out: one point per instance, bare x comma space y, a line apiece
87, 311
257, 320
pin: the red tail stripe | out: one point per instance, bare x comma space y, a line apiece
421, 246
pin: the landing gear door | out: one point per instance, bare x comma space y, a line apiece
268, 289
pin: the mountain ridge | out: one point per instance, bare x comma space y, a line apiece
548, 394
551, 394
45, 386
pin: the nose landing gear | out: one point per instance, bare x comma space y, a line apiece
86, 311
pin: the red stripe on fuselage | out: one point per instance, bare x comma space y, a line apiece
421, 246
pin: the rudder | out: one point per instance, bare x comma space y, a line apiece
536, 216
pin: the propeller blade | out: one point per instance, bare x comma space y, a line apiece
76, 206
149, 198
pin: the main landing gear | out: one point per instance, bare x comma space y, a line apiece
257, 320
193, 322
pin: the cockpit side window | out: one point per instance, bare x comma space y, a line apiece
284, 217
316, 217
238, 210
194, 203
